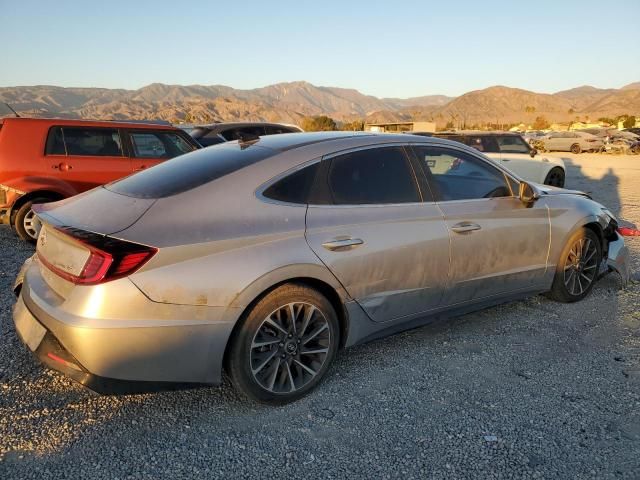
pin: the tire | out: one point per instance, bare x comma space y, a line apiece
577, 269
555, 177
575, 148
25, 223
270, 360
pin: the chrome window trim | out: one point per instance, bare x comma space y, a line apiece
261, 189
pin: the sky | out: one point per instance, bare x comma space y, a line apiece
384, 48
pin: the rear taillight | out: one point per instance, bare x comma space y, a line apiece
109, 258
629, 232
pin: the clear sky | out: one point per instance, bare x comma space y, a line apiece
384, 48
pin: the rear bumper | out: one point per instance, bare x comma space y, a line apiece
124, 354
46, 348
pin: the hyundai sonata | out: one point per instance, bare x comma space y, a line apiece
266, 257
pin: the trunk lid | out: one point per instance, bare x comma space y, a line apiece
98, 210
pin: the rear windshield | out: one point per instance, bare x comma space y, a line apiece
189, 171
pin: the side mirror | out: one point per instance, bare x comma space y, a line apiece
528, 193
533, 152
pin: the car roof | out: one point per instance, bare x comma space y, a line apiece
91, 123
224, 125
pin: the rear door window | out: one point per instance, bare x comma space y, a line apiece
158, 144
373, 176
77, 141
512, 144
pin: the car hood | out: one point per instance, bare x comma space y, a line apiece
549, 190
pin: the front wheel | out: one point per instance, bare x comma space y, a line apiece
555, 177
284, 346
577, 269
575, 148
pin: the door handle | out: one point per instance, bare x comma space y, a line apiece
341, 244
464, 227
63, 167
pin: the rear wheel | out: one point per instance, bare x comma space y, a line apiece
575, 148
555, 177
577, 269
284, 346
25, 222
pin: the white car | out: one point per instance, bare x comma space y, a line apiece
514, 153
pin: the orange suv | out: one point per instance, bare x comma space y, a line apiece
44, 160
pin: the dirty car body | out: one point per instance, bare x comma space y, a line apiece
168, 302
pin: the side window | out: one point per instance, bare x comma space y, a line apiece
512, 144
490, 144
55, 142
235, 133
103, 142
372, 176
158, 144
294, 188
460, 176
273, 130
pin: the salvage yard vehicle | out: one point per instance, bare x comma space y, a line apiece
44, 160
574, 142
216, 133
309, 242
513, 152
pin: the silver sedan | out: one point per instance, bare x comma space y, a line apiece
265, 257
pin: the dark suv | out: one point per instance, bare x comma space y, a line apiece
215, 133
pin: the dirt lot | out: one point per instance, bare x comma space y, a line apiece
531, 389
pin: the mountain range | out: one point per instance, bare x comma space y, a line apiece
292, 101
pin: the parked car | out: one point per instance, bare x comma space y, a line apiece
574, 142
309, 242
216, 133
513, 152
634, 130
42, 160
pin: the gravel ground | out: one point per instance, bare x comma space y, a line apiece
531, 389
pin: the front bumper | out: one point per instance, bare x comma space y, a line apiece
123, 354
618, 258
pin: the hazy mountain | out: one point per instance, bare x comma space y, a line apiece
632, 86
291, 101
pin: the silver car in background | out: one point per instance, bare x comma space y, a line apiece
266, 257
574, 142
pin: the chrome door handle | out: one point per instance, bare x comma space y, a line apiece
464, 227
338, 244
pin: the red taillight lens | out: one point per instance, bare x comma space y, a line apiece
629, 232
109, 258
